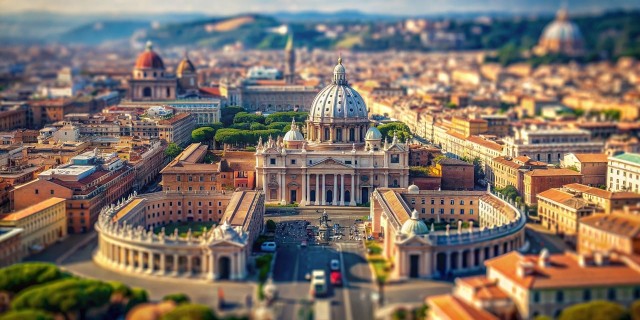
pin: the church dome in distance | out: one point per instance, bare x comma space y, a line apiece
373, 134
149, 59
413, 189
561, 29
185, 66
338, 102
414, 226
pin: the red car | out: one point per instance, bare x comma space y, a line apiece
336, 278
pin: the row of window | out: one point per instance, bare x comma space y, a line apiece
451, 211
612, 295
433, 201
153, 206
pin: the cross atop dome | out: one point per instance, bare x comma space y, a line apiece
148, 46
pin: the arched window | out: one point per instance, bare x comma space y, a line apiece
168, 92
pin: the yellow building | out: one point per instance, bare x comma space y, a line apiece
507, 171
610, 232
607, 201
560, 211
468, 127
44, 224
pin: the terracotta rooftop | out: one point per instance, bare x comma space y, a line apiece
621, 224
173, 120
483, 287
454, 308
552, 172
602, 193
564, 271
591, 157
18, 215
485, 143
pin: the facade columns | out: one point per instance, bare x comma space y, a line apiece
283, 200
264, 182
352, 198
303, 196
150, 262
324, 189
448, 263
428, 264
460, 256
308, 189
189, 264
334, 201
211, 274
130, 260
317, 202
140, 260
342, 189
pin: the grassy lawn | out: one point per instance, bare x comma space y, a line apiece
183, 228
380, 265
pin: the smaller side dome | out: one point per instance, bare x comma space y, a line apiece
414, 226
373, 134
149, 59
413, 189
294, 133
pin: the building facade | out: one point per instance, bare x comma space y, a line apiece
43, 224
560, 211
10, 246
593, 167
623, 173
610, 232
539, 180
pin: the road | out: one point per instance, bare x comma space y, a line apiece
540, 238
351, 301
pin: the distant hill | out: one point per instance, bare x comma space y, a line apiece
100, 32
251, 30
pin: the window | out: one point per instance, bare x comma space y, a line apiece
178, 178
423, 210
470, 202
37, 192
452, 211
51, 191
611, 294
423, 200
433, 201
190, 178
471, 211
461, 202
395, 158
441, 210
293, 161
432, 210
461, 211
536, 296
559, 296
272, 161
442, 201
453, 202
586, 295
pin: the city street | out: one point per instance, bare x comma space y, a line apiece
351, 301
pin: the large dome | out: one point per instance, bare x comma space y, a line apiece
338, 102
149, 59
559, 30
560, 36
414, 225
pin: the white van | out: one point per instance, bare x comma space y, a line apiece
268, 246
318, 283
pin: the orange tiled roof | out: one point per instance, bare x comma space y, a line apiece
18, 215
564, 271
484, 288
556, 195
591, 157
485, 143
602, 193
457, 309
552, 172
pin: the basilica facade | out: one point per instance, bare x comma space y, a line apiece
341, 160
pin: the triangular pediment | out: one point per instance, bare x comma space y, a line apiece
413, 240
396, 147
224, 243
330, 163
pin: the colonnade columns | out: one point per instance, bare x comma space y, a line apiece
163, 264
303, 196
317, 202
448, 263
334, 200
176, 264
428, 264
352, 198
189, 264
460, 257
140, 261
324, 189
130, 260
211, 275
150, 262
342, 189
283, 200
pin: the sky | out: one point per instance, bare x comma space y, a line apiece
227, 7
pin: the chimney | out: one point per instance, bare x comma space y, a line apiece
543, 259
582, 261
601, 258
524, 268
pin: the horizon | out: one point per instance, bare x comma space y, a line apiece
371, 7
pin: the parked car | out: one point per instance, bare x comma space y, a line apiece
335, 277
334, 264
268, 246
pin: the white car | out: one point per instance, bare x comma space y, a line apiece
334, 264
268, 246
318, 283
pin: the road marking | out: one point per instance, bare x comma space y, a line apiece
345, 285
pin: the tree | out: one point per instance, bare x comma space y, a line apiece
173, 150
18, 277
595, 310
402, 130
286, 117
203, 134
451, 105
635, 310
178, 298
227, 114
245, 117
478, 171
67, 297
271, 225
136, 297
31, 314
191, 312
257, 126
510, 192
